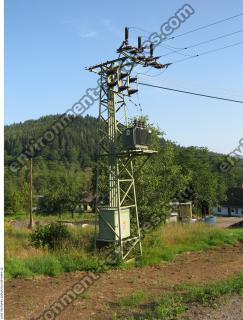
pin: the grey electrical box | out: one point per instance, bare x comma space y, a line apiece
137, 138
109, 216
185, 212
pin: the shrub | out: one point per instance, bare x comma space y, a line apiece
51, 235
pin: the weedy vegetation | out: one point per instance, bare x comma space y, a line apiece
56, 248
172, 305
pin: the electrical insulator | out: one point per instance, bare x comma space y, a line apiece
154, 64
133, 79
149, 59
132, 91
112, 84
126, 34
122, 88
139, 42
151, 49
123, 75
159, 66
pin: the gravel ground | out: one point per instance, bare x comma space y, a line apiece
231, 309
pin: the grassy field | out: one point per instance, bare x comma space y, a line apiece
164, 243
24, 260
171, 305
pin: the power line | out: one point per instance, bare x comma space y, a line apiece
193, 30
152, 75
174, 50
191, 57
189, 92
197, 56
204, 27
208, 52
202, 43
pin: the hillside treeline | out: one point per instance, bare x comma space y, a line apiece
63, 170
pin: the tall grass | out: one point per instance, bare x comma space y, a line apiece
24, 260
165, 242
23, 216
75, 253
16, 243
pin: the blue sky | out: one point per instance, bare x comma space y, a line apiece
48, 44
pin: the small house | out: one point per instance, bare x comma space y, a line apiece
233, 206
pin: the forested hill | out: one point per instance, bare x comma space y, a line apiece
74, 144
63, 169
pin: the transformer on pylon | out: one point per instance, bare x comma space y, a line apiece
119, 143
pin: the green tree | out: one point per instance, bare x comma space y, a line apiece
159, 180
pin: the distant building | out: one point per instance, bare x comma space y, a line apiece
87, 201
233, 206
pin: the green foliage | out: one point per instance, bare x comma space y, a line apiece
158, 181
51, 235
15, 193
76, 143
207, 183
63, 169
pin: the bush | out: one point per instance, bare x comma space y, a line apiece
51, 235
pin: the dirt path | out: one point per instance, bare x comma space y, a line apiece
26, 299
226, 222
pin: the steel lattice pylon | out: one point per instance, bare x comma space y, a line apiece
115, 185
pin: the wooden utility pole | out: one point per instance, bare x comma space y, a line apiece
30, 195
